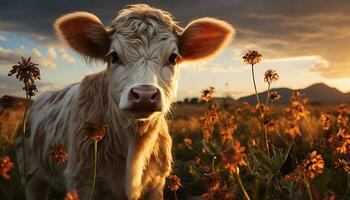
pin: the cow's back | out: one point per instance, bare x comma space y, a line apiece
48, 123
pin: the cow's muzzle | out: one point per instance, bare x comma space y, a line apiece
144, 98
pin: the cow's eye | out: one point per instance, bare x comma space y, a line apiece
173, 59
115, 57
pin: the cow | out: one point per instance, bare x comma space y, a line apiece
142, 48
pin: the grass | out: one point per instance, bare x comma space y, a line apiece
231, 150
186, 123
263, 177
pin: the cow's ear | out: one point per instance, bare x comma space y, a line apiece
203, 38
84, 33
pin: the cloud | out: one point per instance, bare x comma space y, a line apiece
279, 29
66, 57
51, 54
11, 86
320, 65
47, 63
212, 67
36, 53
310, 35
9, 57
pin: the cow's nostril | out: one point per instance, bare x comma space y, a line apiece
135, 95
155, 96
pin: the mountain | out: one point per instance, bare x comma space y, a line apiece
318, 93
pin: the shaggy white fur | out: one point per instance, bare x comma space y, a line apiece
134, 158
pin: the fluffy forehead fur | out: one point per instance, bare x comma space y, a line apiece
143, 32
133, 159
142, 24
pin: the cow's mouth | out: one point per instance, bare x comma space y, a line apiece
143, 112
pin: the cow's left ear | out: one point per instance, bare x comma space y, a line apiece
84, 33
203, 38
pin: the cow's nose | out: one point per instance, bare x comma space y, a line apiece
145, 97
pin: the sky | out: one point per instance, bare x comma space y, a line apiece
306, 42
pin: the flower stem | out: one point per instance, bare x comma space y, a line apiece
94, 171
246, 196
213, 164
268, 95
175, 196
265, 131
28, 98
264, 139
256, 91
212, 167
308, 188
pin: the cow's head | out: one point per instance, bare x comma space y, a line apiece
143, 47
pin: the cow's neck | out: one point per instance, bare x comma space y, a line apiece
133, 142
141, 139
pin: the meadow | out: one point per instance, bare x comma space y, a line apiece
230, 150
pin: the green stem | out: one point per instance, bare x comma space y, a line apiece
175, 196
256, 91
94, 171
264, 139
212, 167
24, 136
213, 164
308, 188
246, 196
265, 131
268, 95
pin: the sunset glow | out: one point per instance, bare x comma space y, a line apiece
304, 44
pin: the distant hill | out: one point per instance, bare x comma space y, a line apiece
319, 93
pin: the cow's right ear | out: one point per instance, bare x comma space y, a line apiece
84, 33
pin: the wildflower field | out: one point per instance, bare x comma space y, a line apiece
224, 150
